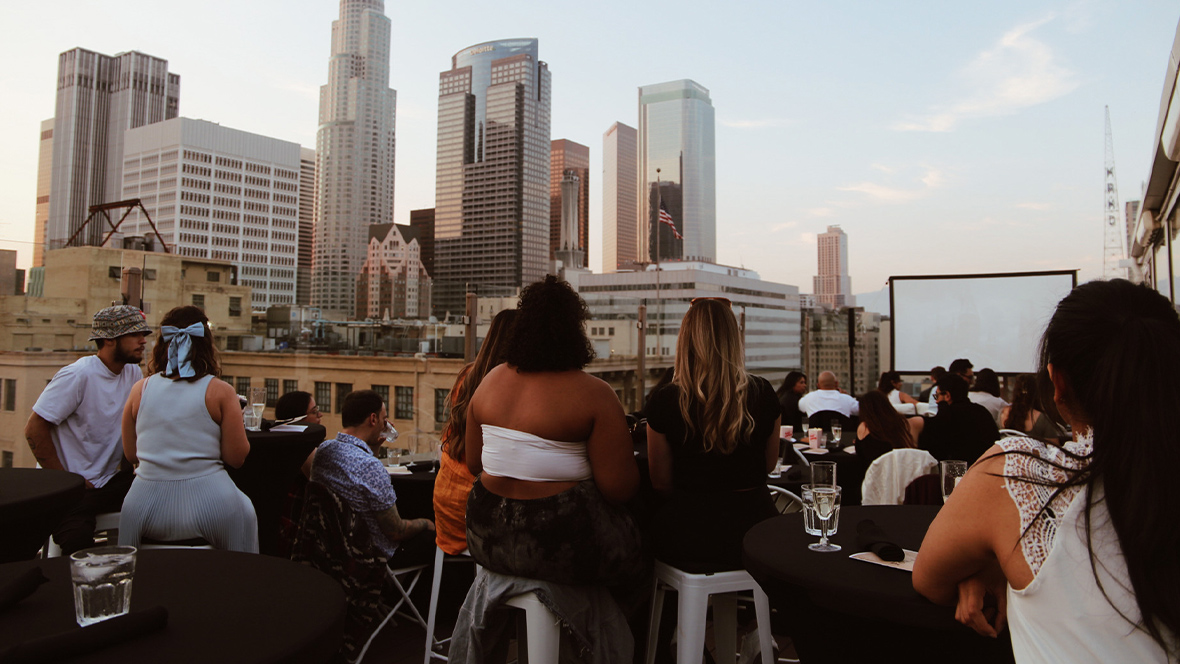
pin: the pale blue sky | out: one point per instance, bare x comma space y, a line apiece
943, 137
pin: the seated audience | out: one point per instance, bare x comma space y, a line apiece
346, 465
182, 426
793, 388
296, 404
961, 430
828, 397
986, 393
453, 483
890, 386
1023, 414
1078, 543
961, 367
882, 428
935, 374
712, 436
549, 446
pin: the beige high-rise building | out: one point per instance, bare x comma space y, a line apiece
619, 201
491, 217
100, 97
833, 286
354, 152
44, 182
306, 225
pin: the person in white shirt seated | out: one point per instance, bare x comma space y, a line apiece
986, 393
829, 397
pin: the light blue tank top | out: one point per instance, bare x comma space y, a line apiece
176, 439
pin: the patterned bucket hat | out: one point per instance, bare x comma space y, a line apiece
114, 322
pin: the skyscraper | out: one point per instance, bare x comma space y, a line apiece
98, 98
306, 225
44, 180
354, 152
833, 287
491, 225
566, 156
676, 137
619, 201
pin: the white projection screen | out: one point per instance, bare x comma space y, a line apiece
994, 320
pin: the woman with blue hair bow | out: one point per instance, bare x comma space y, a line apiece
182, 426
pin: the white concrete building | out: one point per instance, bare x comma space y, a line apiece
219, 193
771, 311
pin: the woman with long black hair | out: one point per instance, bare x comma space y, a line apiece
1082, 540
793, 388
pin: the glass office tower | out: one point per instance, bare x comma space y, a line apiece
676, 137
491, 223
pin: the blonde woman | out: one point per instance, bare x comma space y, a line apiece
712, 436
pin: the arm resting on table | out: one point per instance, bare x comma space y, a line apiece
37, 432
398, 529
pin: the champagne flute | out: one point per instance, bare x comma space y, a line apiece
826, 499
257, 404
837, 430
950, 472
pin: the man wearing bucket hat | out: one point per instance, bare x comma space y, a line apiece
76, 423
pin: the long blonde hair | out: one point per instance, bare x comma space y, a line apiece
711, 376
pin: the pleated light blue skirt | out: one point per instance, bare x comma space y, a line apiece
210, 507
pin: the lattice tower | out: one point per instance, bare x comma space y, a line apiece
1113, 247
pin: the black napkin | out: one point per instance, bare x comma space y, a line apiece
86, 639
871, 537
21, 587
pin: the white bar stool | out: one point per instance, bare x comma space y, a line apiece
542, 638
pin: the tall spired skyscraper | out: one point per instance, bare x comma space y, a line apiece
354, 152
98, 98
676, 137
491, 218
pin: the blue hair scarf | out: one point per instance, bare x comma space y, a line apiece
180, 348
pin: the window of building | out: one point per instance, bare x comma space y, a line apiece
114, 272
290, 386
235, 306
10, 394
233, 343
383, 391
441, 411
404, 406
199, 301
243, 386
272, 392
6, 459
323, 396
213, 276
342, 390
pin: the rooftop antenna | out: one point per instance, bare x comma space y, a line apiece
1112, 253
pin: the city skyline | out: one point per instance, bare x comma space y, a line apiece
915, 128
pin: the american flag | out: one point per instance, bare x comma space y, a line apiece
666, 218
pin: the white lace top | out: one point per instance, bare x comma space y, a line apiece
1063, 615
1029, 497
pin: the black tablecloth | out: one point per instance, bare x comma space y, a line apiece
415, 492
273, 463
222, 607
829, 597
32, 503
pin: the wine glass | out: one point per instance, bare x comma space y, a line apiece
826, 499
950, 472
837, 430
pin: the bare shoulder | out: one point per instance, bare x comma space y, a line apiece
219, 389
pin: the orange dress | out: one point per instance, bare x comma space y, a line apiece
451, 488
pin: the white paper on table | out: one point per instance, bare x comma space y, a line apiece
822, 450
799, 446
850, 449
870, 557
290, 428
398, 470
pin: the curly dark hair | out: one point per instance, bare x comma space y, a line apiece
204, 356
549, 334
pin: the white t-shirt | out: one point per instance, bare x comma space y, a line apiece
84, 401
836, 400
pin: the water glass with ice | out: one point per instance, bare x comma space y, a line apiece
810, 523
102, 579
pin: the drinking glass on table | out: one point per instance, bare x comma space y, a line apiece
810, 523
826, 502
950, 472
256, 405
837, 430
102, 579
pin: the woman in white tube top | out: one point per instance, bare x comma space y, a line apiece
550, 447
182, 425
1079, 544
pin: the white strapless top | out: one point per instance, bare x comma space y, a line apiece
523, 456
